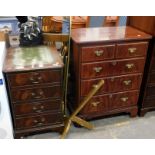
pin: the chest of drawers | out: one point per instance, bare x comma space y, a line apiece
34, 80
116, 55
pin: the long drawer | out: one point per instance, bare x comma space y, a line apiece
38, 121
129, 50
111, 101
38, 93
112, 68
113, 84
95, 53
37, 107
36, 77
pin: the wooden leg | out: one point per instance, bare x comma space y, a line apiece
142, 112
133, 112
19, 136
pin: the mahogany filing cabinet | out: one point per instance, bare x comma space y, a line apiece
116, 55
34, 83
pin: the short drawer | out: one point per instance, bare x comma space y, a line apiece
94, 53
113, 84
128, 66
96, 104
37, 77
128, 50
37, 107
38, 93
121, 100
112, 68
38, 121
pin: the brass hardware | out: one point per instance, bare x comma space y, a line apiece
34, 108
74, 118
110, 96
98, 69
42, 119
41, 122
114, 63
35, 80
129, 66
112, 79
99, 53
34, 95
35, 121
95, 104
124, 99
127, 82
38, 109
132, 50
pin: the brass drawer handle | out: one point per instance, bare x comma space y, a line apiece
130, 66
37, 96
132, 50
35, 80
99, 53
95, 104
97, 69
35, 109
41, 122
127, 82
124, 99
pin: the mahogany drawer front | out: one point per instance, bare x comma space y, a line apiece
38, 121
37, 107
128, 66
36, 77
113, 84
32, 94
112, 68
121, 100
94, 70
128, 50
95, 53
96, 104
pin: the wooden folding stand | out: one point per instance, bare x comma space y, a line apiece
76, 119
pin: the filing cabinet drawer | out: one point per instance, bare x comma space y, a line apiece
37, 107
36, 77
32, 94
94, 53
113, 84
38, 121
121, 100
96, 104
128, 50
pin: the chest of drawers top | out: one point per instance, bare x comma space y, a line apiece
32, 58
107, 34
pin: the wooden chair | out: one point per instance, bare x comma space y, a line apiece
61, 42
